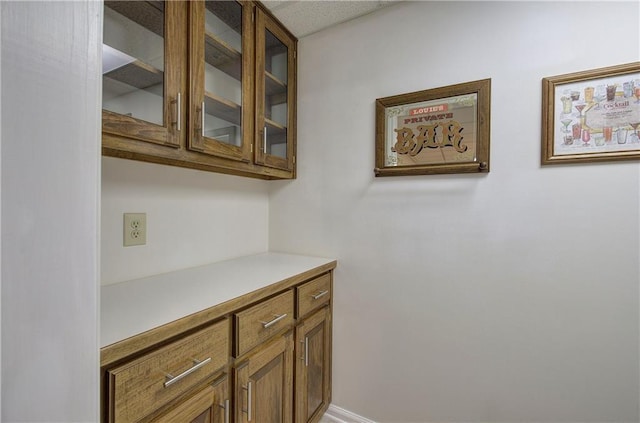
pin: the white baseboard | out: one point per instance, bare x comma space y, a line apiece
336, 414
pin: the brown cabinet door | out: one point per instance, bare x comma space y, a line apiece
221, 75
313, 366
275, 94
143, 58
264, 384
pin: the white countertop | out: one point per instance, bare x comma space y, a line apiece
132, 307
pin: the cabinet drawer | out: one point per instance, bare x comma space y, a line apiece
258, 323
150, 382
313, 294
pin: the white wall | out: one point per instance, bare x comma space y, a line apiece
193, 218
50, 204
0, 221
511, 296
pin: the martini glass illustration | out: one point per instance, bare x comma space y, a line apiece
566, 123
579, 108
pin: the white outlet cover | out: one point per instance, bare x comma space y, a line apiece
135, 229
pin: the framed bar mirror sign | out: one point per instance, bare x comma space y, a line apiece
441, 130
591, 116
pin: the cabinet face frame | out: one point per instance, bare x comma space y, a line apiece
265, 23
173, 109
196, 139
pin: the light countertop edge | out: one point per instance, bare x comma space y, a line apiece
133, 307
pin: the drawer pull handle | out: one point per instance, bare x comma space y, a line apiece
196, 365
275, 320
319, 295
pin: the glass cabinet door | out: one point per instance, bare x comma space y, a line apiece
220, 37
141, 96
275, 94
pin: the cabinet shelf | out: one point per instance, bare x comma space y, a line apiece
137, 74
149, 14
222, 108
219, 54
274, 128
274, 85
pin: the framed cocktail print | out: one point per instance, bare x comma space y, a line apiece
440, 130
592, 115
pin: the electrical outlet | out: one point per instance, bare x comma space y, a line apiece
135, 229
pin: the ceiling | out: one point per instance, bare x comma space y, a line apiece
304, 17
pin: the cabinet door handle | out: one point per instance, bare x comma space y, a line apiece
264, 141
320, 294
202, 121
178, 120
248, 410
225, 407
196, 365
306, 351
273, 321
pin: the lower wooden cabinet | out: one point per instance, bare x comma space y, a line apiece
313, 366
264, 359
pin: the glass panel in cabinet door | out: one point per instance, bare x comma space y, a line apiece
133, 59
276, 94
223, 72
220, 40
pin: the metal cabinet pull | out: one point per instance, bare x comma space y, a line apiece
305, 356
202, 121
264, 141
275, 320
225, 407
197, 364
319, 295
178, 120
248, 410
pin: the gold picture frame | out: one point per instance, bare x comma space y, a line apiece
435, 131
591, 116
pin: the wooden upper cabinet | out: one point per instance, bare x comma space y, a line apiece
213, 80
221, 78
275, 94
142, 90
